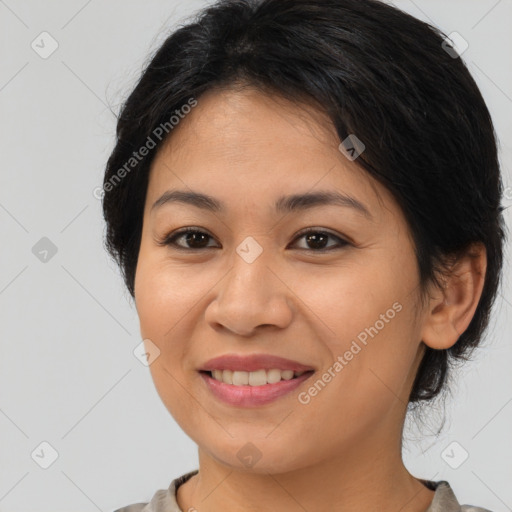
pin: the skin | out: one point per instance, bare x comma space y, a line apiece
342, 450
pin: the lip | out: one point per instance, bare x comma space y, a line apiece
252, 396
252, 363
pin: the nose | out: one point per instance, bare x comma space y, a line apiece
251, 296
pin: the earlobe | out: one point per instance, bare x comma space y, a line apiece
451, 310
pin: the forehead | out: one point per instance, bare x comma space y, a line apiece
233, 123
249, 143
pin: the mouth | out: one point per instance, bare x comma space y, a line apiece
256, 378
252, 389
250, 380
253, 363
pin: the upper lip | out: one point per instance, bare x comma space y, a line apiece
251, 363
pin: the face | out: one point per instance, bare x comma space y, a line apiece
328, 285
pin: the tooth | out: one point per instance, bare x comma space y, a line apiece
273, 376
240, 378
255, 378
227, 376
258, 378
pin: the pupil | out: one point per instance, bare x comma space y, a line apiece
315, 239
191, 236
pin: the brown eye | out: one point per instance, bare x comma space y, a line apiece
317, 240
193, 238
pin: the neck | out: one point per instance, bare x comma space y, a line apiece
369, 476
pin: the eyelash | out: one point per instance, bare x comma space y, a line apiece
170, 240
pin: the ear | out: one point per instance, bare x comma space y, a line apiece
451, 309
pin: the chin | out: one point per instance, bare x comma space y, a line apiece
258, 456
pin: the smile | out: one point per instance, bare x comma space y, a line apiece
241, 393
256, 378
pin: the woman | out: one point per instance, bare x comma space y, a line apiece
304, 200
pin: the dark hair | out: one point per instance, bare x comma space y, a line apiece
376, 72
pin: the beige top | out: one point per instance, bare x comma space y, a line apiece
165, 500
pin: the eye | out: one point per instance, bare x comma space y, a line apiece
317, 239
195, 239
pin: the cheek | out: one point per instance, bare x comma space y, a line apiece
368, 319
162, 301
163, 295
344, 302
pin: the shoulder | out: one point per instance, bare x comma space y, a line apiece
164, 500
445, 499
136, 507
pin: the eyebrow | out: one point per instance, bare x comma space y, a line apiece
284, 204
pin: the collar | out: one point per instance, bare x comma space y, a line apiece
444, 498
165, 500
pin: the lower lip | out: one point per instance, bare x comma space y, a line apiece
252, 396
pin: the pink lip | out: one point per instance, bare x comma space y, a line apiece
252, 396
252, 363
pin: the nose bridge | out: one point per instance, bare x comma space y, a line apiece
249, 273
249, 266
250, 281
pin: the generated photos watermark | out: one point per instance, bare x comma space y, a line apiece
304, 397
159, 134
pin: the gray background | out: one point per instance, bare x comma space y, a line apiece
68, 375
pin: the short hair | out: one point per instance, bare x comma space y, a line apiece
376, 72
